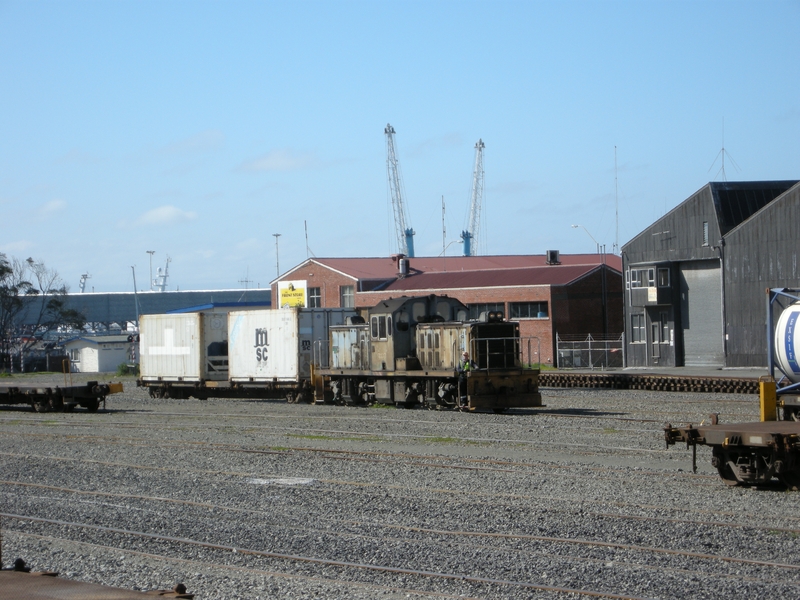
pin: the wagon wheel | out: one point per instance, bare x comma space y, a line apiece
723, 468
56, 403
41, 406
92, 405
791, 479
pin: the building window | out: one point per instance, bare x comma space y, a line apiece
642, 278
314, 298
346, 296
528, 310
475, 310
705, 233
665, 328
663, 277
638, 334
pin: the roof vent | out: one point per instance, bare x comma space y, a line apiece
552, 257
402, 267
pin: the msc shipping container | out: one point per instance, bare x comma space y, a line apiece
280, 345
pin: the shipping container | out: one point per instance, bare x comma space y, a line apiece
188, 347
280, 345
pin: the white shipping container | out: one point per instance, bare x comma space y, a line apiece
280, 345
183, 347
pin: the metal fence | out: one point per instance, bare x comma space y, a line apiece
587, 352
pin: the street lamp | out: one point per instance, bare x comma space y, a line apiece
277, 262
151, 252
596, 243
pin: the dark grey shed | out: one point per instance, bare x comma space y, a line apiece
695, 280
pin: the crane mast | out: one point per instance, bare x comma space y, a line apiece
405, 235
475, 202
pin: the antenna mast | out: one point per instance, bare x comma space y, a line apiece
160, 282
475, 202
405, 235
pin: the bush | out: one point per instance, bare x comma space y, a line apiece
126, 369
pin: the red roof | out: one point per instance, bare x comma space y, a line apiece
546, 275
385, 268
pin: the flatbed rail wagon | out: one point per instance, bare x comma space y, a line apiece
57, 398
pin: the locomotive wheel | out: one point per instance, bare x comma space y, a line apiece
791, 480
723, 468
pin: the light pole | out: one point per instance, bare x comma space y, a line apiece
151, 252
277, 261
596, 243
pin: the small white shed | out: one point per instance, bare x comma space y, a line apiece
100, 354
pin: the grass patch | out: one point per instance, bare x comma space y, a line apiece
360, 438
610, 430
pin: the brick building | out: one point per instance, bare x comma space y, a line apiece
549, 294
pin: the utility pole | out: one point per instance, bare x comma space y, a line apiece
277, 261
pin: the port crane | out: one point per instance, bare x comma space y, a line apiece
405, 234
476, 198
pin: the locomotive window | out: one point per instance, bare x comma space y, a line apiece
443, 309
401, 322
389, 325
418, 311
462, 315
378, 327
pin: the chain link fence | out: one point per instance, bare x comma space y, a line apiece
588, 352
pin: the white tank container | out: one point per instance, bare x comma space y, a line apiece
280, 345
787, 342
183, 347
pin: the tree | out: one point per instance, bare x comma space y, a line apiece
32, 303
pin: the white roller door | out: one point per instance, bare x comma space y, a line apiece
701, 314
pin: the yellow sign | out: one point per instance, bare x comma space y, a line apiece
292, 293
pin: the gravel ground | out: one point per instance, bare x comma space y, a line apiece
262, 499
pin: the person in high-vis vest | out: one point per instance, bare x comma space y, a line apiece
465, 365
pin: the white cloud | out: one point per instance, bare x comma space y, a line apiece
52, 207
205, 141
279, 160
166, 215
20, 247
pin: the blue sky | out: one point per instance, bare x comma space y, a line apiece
199, 129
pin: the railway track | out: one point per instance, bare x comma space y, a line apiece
323, 502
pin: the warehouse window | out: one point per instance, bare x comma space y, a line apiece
528, 310
346, 296
663, 277
665, 328
475, 310
642, 278
314, 297
638, 334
